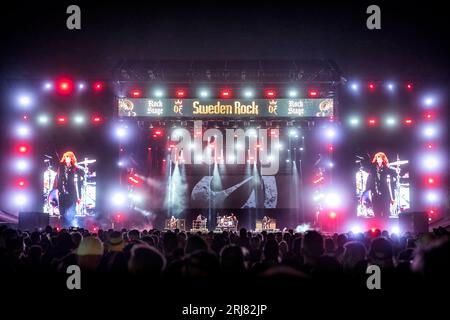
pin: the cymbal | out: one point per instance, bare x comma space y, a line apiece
398, 163
86, 161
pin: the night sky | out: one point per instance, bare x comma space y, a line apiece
410, 45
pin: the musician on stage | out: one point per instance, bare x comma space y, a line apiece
68, 182
200, 217
381, 184
173, 222
265, 222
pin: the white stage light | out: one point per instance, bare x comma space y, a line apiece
22, 165
48, 86
395, 230
330, 133
390, 86
354, 86
356, 229
428, 101
292, 132
20, 199
429, 131
24, 100
159, 93
248, 93
23, 131
391, 121
292, 93
354, 121
204, 93
78, 119
118, 198
252, 132
43, 119
121, 132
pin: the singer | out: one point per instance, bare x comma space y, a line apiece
68, 182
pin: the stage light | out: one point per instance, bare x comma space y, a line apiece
136, 93
332, 215
354, 121
48, 86
408, 121
292, 93
20, 199
181, 93
64, 86
330, 133
429, 146
431, 162
96, 119
293, 132
333, 200
21, 183
390, 86
313, 93
23, 149
22, 165
429, 131
121, 131
431, 181
354, 86
330, 148
391, 121
43, 119
428, 116
204, 93
270, 93
432, 196
225, 93
248, 93
409, 86
23, 131
302, 228
373, 230
78, 119
371, 86
428, 101
251, 132
118, 198
372, 121
330, 164
98, 86
24, 101
356, 229
61, 120
395, 230
81, 85
134, 180
280, 146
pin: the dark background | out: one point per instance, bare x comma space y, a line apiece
411, 42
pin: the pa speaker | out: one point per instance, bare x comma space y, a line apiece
32, 220
416, 222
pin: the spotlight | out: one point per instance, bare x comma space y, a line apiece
20, 199
180, 93
98, 86
432, 197
333, 215
356, 229
23, 131
292, 93
330, 164
431, 162
391, 121
395, 230
292, 132
313, 93
24, 101
78, 119
429, 131
21, 183
252, 132
330, 133
43, 119
61, 120
81, 86
64, 86
408, 121
158, 93
372, 121
118, 198
48, 86
354, 121
390, 86
248, 93
428, 101
225, 93
136, 93
354, 86
96, 119
204, 93
22, 165
409, 86
121, 132
371, 86
332, 200
270, 93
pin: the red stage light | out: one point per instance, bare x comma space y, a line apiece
431, 211
270, 93
313, 93
64, 86
118, 216
225, 93
96, 119
431, 181
408, 121
373, 230
61, 120
98, 86
134, 180
21, 183
430, 146
428, 116
23, 148
330, 148
333, 215
409, 86
25, 117
180, 93
371, 86
136, 93
372, 121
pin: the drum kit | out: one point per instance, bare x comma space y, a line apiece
400, 192
88, 190
226, 222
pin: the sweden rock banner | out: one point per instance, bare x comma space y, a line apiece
225, 108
